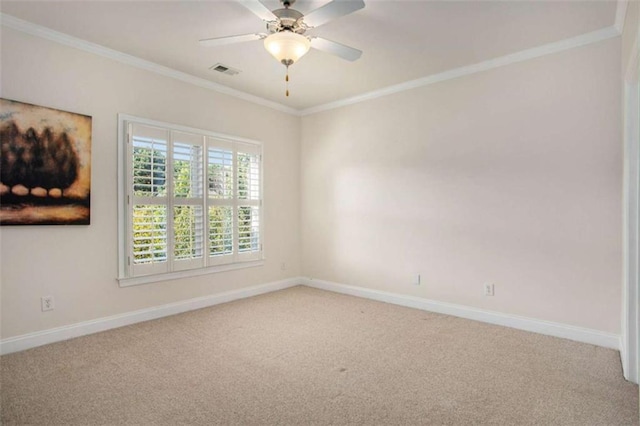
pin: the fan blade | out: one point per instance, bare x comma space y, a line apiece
259, 9
332, 10
345, 52
221, 41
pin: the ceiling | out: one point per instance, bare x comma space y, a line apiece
401, 40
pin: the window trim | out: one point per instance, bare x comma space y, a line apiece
123, 207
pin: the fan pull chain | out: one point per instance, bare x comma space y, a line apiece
286, 79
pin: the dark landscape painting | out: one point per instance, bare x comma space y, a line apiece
45, 165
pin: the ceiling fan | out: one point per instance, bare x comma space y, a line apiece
286, 39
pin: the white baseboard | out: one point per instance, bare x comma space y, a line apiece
629, 368
623, 358
32, 340
585, 335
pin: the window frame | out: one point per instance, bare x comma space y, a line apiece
237, 260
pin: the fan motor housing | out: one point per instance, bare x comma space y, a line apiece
288, 20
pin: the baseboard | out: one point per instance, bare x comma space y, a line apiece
629, 368
623, 358
548, 328
32, 340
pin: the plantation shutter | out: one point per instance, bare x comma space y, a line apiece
188, 201
221, 201
147, 197
193, 200
249, 211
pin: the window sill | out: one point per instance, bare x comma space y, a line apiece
146, 279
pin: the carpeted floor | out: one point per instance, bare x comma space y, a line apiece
305, 356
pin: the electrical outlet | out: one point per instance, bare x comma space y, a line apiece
417, 280
47, 303
283, 266
489, 289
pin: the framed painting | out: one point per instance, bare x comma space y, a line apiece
45, 165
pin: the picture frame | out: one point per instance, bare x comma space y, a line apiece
45, 165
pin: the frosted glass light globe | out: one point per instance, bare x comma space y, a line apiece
286, 46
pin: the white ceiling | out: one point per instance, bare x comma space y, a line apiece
401, 40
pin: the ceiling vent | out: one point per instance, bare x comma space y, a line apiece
224, 69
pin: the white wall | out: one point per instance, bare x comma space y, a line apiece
510, 176
78, 264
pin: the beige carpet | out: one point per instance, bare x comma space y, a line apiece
305, 356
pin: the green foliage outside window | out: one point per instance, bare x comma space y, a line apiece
149, 176
149, 220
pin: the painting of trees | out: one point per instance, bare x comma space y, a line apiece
45, 165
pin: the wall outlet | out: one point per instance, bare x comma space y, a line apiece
283, 266
417, 280
489, 289
47, 303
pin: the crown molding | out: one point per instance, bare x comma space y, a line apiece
58, 37
621, 14
524, 55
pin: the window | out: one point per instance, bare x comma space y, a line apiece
191, 201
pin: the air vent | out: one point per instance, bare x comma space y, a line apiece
224, 69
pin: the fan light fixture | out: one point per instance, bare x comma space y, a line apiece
285, 38
287, 47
